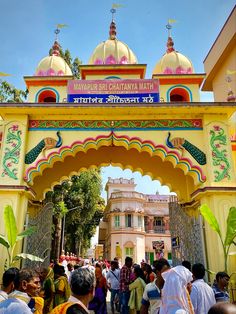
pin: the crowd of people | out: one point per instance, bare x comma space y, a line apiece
134, 288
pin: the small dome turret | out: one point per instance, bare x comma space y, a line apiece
53, 65
112, 51
173, 62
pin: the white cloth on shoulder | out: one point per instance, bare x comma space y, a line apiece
14, 306
174, 293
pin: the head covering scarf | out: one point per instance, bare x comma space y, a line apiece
175, 295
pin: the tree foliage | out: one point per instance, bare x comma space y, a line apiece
85, 209
8, 93
73, 64
79, 201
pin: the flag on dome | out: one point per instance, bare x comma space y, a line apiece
171, 21
4, 74
61, 25
117, 5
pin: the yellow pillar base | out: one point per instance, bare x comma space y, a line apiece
17, 197
219, 202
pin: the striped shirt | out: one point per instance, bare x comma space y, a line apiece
152, 297
220, 296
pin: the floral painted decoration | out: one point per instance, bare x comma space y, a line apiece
12, 152
219, 153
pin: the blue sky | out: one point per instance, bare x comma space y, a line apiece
27, 33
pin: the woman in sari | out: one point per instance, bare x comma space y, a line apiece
137, 288
48, 289
99, 304
62, 288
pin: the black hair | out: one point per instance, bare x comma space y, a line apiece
159, 264
59, 270
221, 274
128, 259
82, 281
148, 268
9, 276
115, 263
26, 274
187, 265
222, 308
139, 272
198, 270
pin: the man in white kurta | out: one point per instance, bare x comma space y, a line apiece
202, 295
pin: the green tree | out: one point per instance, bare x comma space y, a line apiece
88, 206
73, 64
8, 93
12, 237
59, 210
77, 200
230, 235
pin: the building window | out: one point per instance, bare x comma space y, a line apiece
128, 220
158, 221
145, 221
139, 221
129, 251
117, 221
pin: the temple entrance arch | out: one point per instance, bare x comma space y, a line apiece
180, 148
156, 160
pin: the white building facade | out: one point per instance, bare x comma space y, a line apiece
134, 224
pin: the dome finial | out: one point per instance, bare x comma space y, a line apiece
170, 43
112, 31
56, 45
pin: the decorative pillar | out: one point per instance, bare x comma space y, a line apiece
150, 224
219, 190
13, 190
166, 221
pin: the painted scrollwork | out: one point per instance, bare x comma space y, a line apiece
12, 152
219, 153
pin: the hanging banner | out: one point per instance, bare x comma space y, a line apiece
113, 91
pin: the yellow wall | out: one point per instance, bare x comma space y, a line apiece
220, 86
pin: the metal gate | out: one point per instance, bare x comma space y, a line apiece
186, 234
39, 243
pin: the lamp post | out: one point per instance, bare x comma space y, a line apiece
63, 227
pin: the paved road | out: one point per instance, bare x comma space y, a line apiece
108, 302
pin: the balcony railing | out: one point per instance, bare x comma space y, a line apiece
128, 195
157, 229
123, 228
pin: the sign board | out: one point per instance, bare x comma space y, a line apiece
113, 91
175, 242
158, 245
